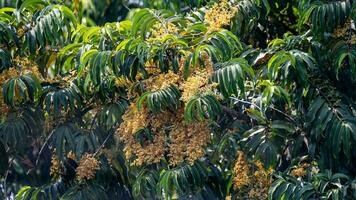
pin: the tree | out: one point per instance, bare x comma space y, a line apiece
248, 99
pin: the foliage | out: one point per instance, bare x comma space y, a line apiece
239, 99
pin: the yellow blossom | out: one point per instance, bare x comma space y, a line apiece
162, 81
251, 180
187, 141
71, 155
88, 165
161, 29
55, 167
241, 171
219, 15
300, 171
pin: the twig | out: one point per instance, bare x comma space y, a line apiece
6, 175
43, 146
102, 145
281, 112
247, 102
275, 109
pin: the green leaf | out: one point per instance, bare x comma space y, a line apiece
202, 107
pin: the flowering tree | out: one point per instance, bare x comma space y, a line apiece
240, 99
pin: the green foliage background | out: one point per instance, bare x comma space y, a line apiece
286, 71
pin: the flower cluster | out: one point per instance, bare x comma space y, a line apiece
300, 171
241, 171
262, 182
123, 81
4, 76
160, 30
162, 81
135, 120
88, 165
198, 83
184, 142
187, 141
27, 66
55, 167
71, 155
170, 135
342, 31
151, 68
251, 180
219, 15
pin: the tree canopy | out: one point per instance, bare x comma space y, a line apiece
177, 99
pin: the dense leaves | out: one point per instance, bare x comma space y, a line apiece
240, 99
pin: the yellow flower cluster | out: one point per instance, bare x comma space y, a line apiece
4, 76
300, 171
71, 155
353, 39
27, 66
151, 68
198, 81
262, 182
162, 81
160, 30
134, 120
219, 15
123, 81
171, 135
87, 168
251, 180
342, 31
55, 167
187, 141
20, 32
241, 171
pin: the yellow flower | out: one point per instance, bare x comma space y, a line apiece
184, 142
197, 83
241, 171
160, 30
87, 168
162, 81
71, 155
134, 120
123, 81
300, 171
187, 141
219, 15
55, 167
342, 31
251, 180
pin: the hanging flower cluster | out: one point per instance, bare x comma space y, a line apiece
21, 66
241, 171
160, 30
135, 120
172, 136
55, 167
162, 81
187, 141
198, 82
300, 171
342, 31
26, 66
251, 180
88, 165
4, 76
169, 136
219, 15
